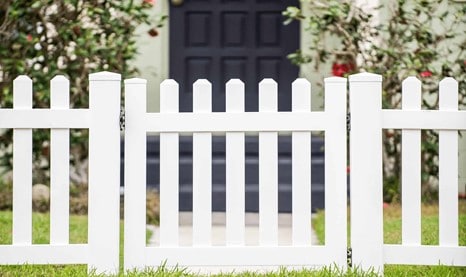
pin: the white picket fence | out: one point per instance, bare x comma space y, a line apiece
234, 122
367, 121
102, 120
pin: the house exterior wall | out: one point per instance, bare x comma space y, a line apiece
153, 64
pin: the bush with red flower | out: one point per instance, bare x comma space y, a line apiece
412, 38
71, 37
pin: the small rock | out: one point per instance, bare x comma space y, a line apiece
40, 193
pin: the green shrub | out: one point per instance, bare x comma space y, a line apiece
44, 38
421, 38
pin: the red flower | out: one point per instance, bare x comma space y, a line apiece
153, 32
150, 2
340, 69
29, 37
425, 74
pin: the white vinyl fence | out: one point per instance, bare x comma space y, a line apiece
102, 120
234, 123
368, 120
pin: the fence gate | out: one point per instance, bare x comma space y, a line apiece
102, 250
233, 123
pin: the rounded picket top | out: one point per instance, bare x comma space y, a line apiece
412, 79
267, 81
301, 83
411, 93
235, 81
22, 78
169, 83
301, 95
104, 76
22, 92
448, 94
202, 82
136, 81
448, 80
335, 79
60, 79
268, 85
365, 77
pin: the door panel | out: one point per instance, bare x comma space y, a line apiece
223, 39
220, 40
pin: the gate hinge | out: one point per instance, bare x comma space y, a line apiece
122, 119
349, 256
348, 122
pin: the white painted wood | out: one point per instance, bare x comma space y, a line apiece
135, 173
448, 168
366, 171
237, 122
335, 169
169, 157
202, 168
268, 168
45, 118
425, 255
411, 167
44, 254
425, 119
104, 172
300, 166
235, 168
22, 166
59, 165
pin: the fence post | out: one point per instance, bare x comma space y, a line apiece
104, 172
366, 171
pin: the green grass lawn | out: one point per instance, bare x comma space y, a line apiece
392, 234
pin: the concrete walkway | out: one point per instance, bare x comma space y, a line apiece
218, 230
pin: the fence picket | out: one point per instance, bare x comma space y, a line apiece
22, 166
202, 168
411, 167
301, 168
268, 169
448, 168
335, 168
59, 165
169, 168
235, 174
135, 173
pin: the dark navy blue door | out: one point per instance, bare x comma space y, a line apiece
223, 39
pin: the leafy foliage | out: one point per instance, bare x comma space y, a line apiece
421, 38
43, 38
